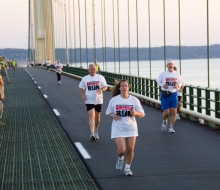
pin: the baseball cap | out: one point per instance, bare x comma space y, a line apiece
170, 61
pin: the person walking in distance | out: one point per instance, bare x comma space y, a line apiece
48, 62
97, 67
2, 96
91, 88
170, 82
42, 64
58, 68
13, 66
123, 108
4, 72
179, 96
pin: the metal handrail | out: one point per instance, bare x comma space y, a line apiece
195, 98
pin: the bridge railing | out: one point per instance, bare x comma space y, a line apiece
195, 98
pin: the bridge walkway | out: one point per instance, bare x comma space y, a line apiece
34, 155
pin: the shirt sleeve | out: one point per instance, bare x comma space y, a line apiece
103, 82
82, 84
160, 80
180, 83
110, 108
138, 107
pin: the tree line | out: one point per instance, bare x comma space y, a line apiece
110, 54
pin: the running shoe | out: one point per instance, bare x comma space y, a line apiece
120, 164
164, 126
92, 137
96, 134
128, 172
171, 130
177, 116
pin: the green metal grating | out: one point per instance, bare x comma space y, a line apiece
35, 153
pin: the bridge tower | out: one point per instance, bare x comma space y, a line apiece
43, 30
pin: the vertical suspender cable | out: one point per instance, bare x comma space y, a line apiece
208, 56
57, 33
149, 25
105, 37
113, 19
119, 70
63, 36
80, 48
180, 55
74, 27
86, 35
137, 37
94, 37
53, 31
60, 34
66, 35
70, 31
164, 23
29, 30
129, 42
102, 20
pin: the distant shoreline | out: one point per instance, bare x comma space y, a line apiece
111, 54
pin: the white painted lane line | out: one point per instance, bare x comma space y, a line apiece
39, 87
35, 82
45, 96
82, 150
33, 78
56, 112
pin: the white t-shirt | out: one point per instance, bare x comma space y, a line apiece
170, 78
58, 67
127, 125
91, 84
48, 62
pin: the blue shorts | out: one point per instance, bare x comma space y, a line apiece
170, 101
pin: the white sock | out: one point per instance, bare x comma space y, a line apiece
128, 166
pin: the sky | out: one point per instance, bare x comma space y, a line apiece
14, 18
193, 23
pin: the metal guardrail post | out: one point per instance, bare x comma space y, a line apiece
191, 98
199, 99
151, 88
207, 101
217, 103
185, 96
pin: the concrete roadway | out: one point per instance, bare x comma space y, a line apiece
188, 159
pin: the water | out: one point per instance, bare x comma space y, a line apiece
194, 71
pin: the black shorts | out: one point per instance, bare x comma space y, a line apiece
97, 107
179, 98
48, 67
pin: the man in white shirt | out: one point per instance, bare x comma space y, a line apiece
91, 88
170, 82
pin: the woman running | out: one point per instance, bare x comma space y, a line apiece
123, 108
